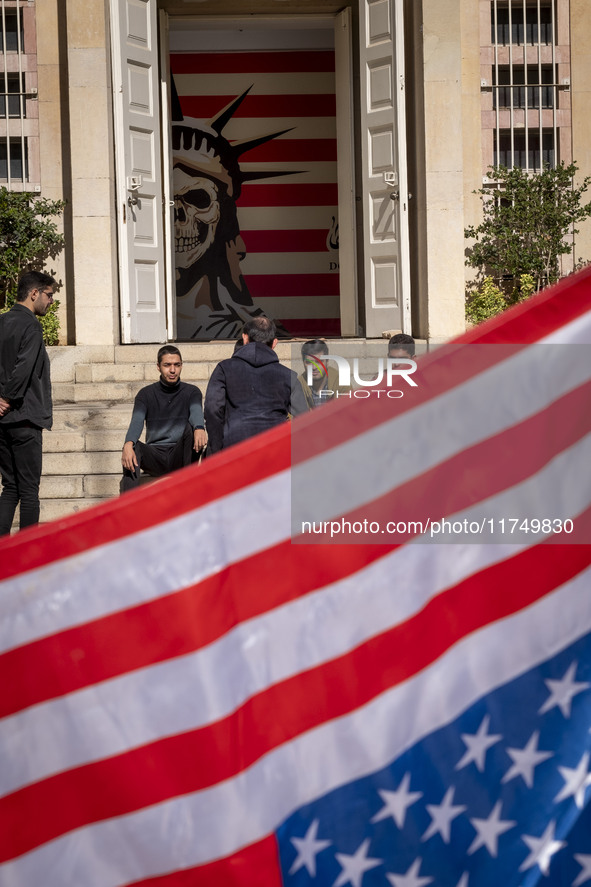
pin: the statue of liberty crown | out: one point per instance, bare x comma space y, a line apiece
199, 146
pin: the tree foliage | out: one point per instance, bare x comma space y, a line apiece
526, 223
28, 238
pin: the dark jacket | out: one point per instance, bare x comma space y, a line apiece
24, 368
249, 393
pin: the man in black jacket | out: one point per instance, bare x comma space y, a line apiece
251, 391
173, 415
25, 399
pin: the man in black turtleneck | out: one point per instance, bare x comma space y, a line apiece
173, 414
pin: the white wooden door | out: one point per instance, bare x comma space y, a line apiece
134, 25
384, 173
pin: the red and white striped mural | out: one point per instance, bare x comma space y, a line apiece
288, 219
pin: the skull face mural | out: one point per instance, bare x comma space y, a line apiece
196, 216
213, 300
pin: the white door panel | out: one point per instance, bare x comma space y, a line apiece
139, 170
385, 191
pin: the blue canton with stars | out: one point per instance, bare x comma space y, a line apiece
498, 797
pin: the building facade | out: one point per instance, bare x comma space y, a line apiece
310, 159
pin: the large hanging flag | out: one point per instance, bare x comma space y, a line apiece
194, 693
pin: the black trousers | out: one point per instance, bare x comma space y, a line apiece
21, 449
157, 460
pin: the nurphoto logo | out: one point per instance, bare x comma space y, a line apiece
390, 371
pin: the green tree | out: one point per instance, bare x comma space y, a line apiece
526, 223
28, 238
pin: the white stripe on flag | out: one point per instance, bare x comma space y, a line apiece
214, 823
168, 556
276, 83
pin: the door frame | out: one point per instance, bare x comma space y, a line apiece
343, 49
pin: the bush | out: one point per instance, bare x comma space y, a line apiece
488, 300
484, 302
28, 237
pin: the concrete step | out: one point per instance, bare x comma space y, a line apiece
53, 509
91, 417
101, 392
81, 463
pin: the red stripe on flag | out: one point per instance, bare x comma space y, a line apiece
166, 768
299, 150
325, 194
304, 240
175, 495
252, 62
195, 616
262, 285
252, 866
204, 107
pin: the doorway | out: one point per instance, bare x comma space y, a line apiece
255, 177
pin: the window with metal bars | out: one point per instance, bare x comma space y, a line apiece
515, 26
11, 87
11, 30
19, 142
537, 93
510, 149
13, 164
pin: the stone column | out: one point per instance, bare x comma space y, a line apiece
450, 61
94, 241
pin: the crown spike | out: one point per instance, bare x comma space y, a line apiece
247, 144
221, 119
175, 104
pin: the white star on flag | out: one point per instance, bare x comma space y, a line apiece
477, 745
411, 878
489, 831
584, 860
396, 803
541, 850
525, 760
354, 867
463, 882
562, 692
442, 815
308, 848
576, 781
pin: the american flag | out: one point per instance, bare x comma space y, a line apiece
189, 698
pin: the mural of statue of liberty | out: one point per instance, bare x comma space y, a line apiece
213, 300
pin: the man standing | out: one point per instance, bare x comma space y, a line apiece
251, 391
173, 415
25, 399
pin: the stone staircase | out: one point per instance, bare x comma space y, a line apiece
93, 391
94, 388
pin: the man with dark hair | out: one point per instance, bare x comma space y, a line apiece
401, 345
25, 399
173, 415
251, 391
325, 379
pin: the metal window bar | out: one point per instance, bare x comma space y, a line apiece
13, 150
536, 30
